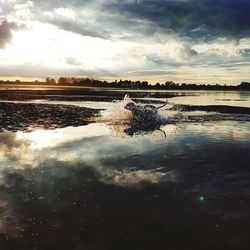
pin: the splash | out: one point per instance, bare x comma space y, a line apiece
121, 120
117, 115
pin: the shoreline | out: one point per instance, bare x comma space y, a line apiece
32, 86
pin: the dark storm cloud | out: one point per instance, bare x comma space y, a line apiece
82, 24
193, 19
6, 32
77, 27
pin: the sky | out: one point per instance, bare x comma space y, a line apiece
192, 41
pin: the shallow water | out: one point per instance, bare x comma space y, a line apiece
95, 187
231, 98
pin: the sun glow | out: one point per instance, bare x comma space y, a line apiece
45, 44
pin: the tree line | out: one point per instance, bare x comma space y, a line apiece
128, 84
168, 85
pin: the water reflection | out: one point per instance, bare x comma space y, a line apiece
231, 98
40, 138
84, 188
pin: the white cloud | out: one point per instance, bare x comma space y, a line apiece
65, 12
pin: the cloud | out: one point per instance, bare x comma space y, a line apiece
37, 70
69, 180
77, 27
6, 32
13, 151
8, 140
136, 178
6, 8
18, 152
124, 36
73, 69
186, 52
192, 19
72, 61
79, 19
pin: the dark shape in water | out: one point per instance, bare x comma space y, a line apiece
144, 118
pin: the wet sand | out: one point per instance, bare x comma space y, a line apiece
26, 116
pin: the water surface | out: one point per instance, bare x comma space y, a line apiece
95, 187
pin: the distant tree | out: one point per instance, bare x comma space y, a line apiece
50, 80
144, 84
62, 80
169, 83
244, 85
157, 85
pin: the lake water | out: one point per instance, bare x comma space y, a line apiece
185, 185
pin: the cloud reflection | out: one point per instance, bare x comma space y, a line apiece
91, 145
85, 186
50, 138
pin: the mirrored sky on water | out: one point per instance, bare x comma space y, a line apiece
196, 161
